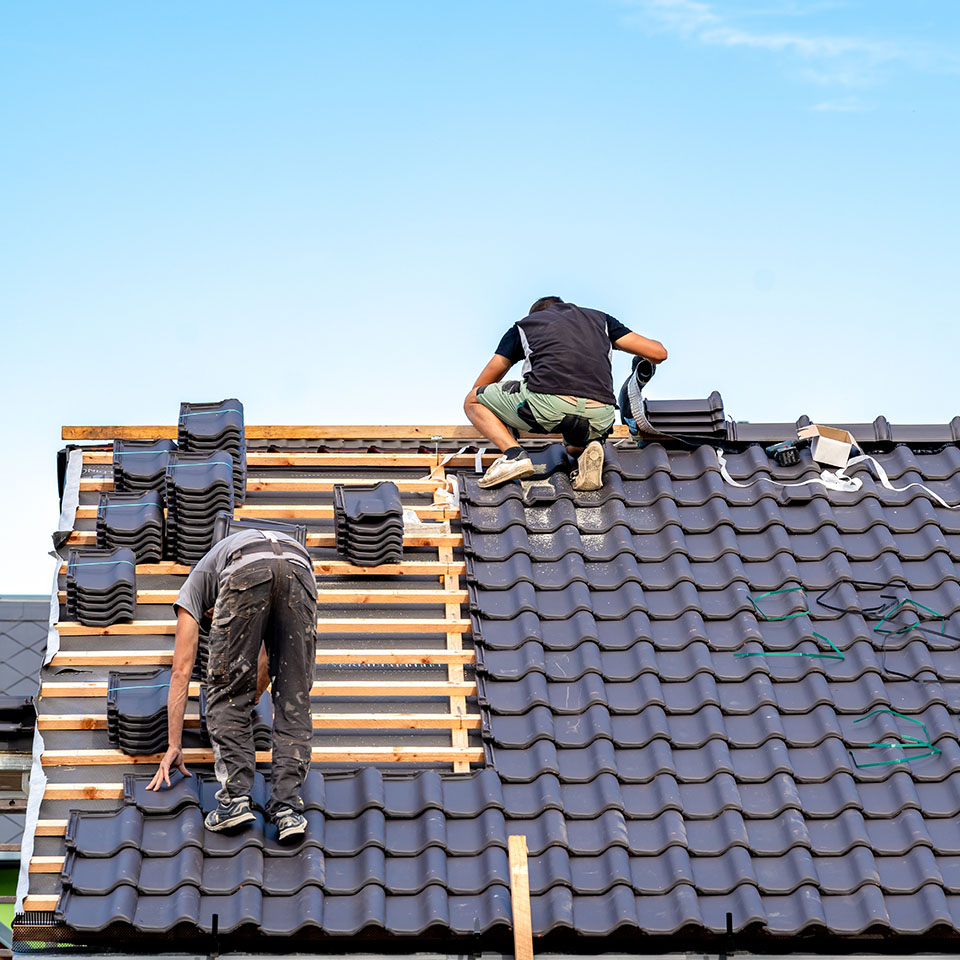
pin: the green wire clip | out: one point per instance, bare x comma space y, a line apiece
836, 655
773, 593
909, 743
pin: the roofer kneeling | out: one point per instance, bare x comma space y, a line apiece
261, 591
566, 387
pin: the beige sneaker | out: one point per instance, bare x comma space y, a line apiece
502, 470
589, 472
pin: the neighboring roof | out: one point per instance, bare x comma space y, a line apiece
664, 785
23, 638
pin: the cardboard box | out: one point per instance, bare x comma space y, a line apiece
828, 444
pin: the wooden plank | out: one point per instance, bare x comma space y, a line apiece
340, 431
83, 791
321, 721
325, 568
381, 754
46, 864
298, 511
324, 688
158, 628
41, 901
329, 596
356, 657
104, 458
88, 538
287, 484
520, 897
51, 828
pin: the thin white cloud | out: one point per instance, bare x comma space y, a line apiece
822, 58
841, 105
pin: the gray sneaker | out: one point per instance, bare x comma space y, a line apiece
589, 472
290, 824
502, 470
227, 816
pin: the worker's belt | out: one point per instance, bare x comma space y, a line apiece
263, 550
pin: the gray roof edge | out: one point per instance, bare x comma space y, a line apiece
880, 431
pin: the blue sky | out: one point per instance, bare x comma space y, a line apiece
333, 210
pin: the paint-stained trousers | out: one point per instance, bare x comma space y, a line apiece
271, 601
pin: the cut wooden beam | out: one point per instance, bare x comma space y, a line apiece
340, 431
287, 484
297, 511
51, 828
381, 754
46, 864
102, 458
355, 657
158, 628
83, 791
88, 538
325, 568
322, 688
332, 596
321, 721
520, 897
41, 901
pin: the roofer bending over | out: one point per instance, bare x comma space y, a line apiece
566, 387
263, 595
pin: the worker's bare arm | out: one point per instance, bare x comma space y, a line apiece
494, 371
184, 655
652, 350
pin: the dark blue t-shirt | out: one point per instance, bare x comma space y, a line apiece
566, 350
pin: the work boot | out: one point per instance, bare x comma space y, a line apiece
504, 468
589, 472
290, 824
233, 813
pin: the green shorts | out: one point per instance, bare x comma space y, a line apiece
522, 409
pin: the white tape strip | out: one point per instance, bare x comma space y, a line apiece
832, 481
838, 481
478, 460
885, 481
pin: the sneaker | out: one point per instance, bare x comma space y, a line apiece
502, 470
290, 824
589, 472
233, 813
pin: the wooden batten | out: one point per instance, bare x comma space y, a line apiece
331, 625
341, 431
356, 657
325, 688
321, 754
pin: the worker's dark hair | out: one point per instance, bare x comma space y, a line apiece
543, 303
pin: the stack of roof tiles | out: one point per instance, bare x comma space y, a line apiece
369, 523
198, 487
137, 710
698, 418
133, 520
226, 525
403, 852
215, 428
672, 784
140, 465
101, 586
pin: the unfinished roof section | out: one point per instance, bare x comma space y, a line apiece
567, 667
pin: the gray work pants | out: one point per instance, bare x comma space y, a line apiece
271, 601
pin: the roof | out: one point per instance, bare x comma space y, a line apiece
665, 785
23, 639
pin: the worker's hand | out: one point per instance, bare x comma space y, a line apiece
172, 758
